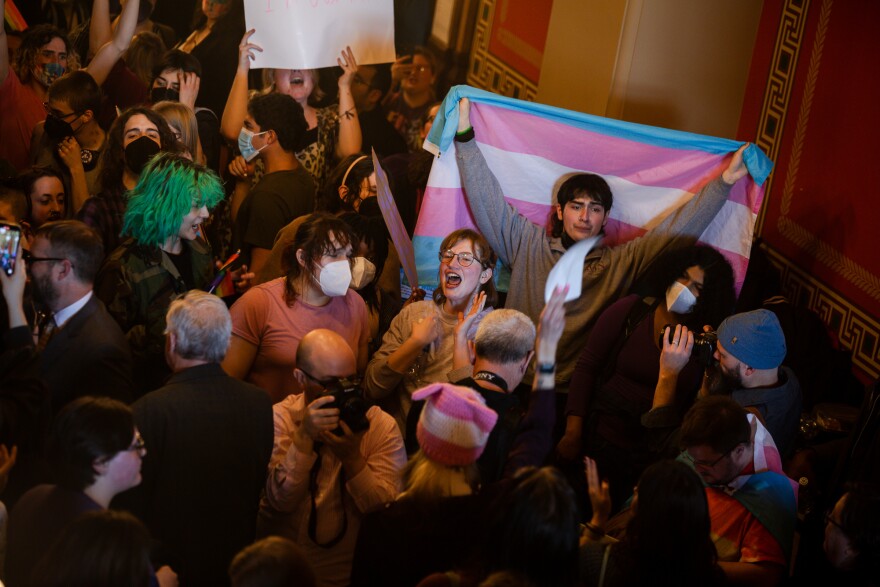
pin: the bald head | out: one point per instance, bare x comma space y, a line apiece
325, 354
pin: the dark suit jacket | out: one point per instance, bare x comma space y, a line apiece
87, 356
209, 439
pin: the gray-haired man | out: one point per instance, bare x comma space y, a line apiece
210, 439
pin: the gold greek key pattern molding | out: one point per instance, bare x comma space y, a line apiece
827, 255
488, 72
857, 330
807, 104
779, 84
801, 237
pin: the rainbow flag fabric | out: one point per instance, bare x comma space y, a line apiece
531, 148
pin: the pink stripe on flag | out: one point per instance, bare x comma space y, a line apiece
639, 163
445, 209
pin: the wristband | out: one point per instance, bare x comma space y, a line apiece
546, 368
464, 136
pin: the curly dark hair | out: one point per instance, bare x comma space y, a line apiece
35, 37
315, 238
282, 114
718, 296
113, 157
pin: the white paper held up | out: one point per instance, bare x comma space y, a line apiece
569, 270
308, 34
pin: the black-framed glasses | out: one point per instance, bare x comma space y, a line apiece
56, 114
138, 444
465, 258
31, 259
706, 464
316, 380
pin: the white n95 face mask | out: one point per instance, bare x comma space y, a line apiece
679, 299
335, 278
362, 273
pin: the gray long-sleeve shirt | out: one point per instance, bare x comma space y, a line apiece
608, 272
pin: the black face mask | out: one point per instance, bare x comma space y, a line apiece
139, 152
166, 93
56, 128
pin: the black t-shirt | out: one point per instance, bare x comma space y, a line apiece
183, 262
271, 205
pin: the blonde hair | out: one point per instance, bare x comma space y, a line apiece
428, 480
182, 119
317, 94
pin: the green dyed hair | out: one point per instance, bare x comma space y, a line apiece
168, 188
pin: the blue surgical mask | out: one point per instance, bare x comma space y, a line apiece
246, 144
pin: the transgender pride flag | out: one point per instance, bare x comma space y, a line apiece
532, 148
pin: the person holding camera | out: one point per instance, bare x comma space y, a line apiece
747, 366
613, 384
329, 467
210, 437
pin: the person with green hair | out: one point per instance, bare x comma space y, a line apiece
163, 256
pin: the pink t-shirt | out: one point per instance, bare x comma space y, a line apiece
20, 111
263, 318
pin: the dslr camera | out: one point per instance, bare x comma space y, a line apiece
348, 398
705, 344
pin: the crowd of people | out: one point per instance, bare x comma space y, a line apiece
208, 374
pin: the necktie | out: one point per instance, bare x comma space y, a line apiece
47, 329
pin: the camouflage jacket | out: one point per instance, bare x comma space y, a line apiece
137, 284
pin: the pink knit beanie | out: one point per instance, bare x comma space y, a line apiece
454, 425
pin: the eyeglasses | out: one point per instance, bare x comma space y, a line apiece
315, 379
830, 520
706, 464
138, 444
57, 114
30, 259
465, 259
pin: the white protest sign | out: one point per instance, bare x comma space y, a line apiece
308, 34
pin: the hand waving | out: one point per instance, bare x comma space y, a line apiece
246, 51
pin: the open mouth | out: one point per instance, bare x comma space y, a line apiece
452, 279
297, 79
